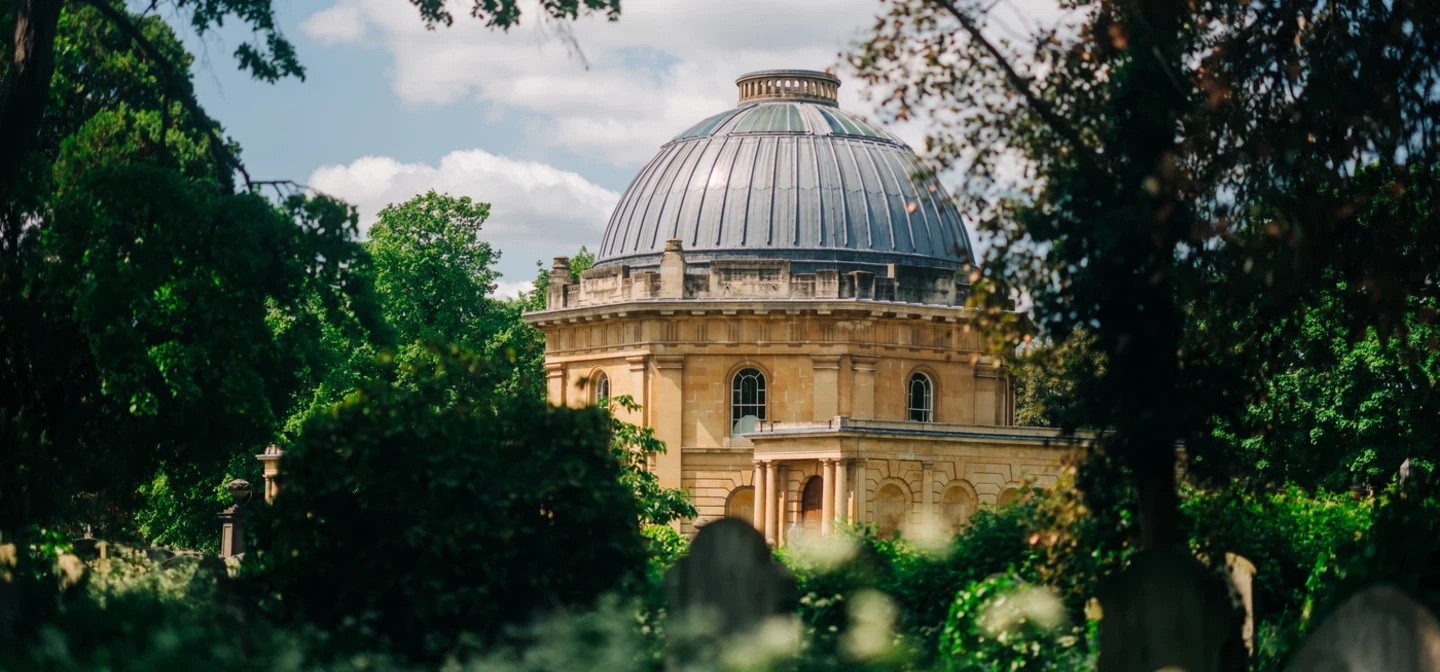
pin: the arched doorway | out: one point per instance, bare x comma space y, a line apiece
891, 508
1008, 496
741, 504
812, 504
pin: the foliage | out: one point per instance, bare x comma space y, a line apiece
633, 447
1045, 376
1284, 533
1002, 623
432, 269
1342, 409
416, 515
1183, 196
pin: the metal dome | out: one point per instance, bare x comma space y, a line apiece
787, 175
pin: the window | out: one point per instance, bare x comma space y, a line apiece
922, 408
747, 401
602, 387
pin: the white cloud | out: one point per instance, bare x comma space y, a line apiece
341, 23
663, 66
533, 205
510, 290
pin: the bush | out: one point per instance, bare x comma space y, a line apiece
416, 515
1002, 623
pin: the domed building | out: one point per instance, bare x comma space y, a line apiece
781, 290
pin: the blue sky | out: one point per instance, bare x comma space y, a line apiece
389, 110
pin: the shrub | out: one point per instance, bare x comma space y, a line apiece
1003, 623
417, 513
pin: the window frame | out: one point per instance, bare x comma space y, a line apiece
599, 379
928, 410
736, 405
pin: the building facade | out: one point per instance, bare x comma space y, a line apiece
781, 290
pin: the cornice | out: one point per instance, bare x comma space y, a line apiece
757, 307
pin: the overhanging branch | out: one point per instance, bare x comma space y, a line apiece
1021, 85
220, 150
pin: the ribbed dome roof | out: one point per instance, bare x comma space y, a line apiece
786, 175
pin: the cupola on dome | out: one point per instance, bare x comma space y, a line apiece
787, 175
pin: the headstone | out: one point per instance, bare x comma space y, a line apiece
87, 546
1379, 628
728, 585
1242, 575
1168, 610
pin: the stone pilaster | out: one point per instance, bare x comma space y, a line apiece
668, 412
842, 492
827, 386
638, 366
864, 367
555, 383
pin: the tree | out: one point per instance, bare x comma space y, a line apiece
423, 513
1194, 171
153, 324
432, 270
31, 56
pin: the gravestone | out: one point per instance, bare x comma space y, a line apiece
728, 585
1380, 628
1168, 610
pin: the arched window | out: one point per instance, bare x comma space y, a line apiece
747, 401
601, 387
922, 401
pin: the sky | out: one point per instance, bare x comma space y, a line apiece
548, 136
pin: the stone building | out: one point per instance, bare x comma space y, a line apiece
781, 289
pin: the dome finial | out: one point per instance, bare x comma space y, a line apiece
807, 85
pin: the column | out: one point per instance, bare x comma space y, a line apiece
827, 497
760, 496
864, 386
862, 474
781, 492
555, 383
770, 503
827, 386
842, 492
667, 413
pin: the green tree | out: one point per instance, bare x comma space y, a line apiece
422, 513
154, 323
30, 58
432, 271
1045, 378
1193, 173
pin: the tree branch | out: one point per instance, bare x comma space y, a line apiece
221, 152
1021, 85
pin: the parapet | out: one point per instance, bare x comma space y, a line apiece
751, 279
